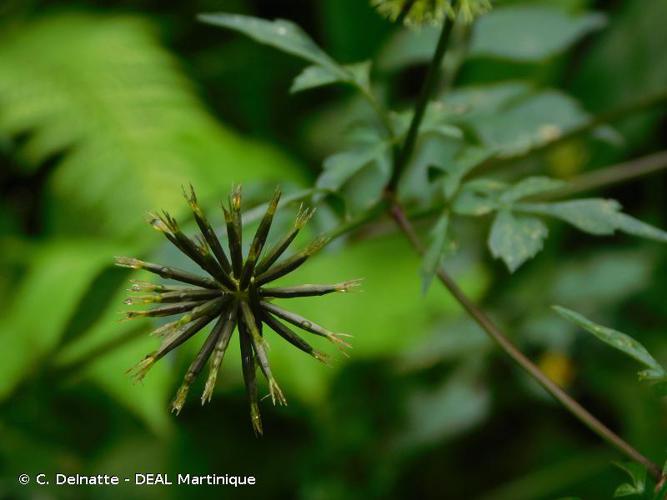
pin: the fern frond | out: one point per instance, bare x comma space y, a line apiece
102, 92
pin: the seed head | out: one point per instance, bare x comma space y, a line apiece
234, 294
423, 12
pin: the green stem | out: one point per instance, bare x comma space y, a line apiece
519, 358
426, 92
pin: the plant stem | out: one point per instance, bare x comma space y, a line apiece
519, 358
427, 90
398, 214
596, 179
612, 175
614, 114
405, 11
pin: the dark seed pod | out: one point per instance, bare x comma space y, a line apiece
233, 294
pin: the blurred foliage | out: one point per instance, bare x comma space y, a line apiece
106, 109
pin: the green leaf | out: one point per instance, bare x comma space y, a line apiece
471, 203
516, 238
603, 278
456, 404
435, 251
312, 77
612, 58
466, 160
596, 216
530, 33
529, 122
286, 36
360, 74
483, 100
529, 187
511, 117
633, 226
437, 119
407, 47
109, 348
637, 474
478, 197
102, 95
617, 340
55, 284
319, 76
339, 168
281, 34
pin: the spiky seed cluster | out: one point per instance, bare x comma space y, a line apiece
235, 295
421, 12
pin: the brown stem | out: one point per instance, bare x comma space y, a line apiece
596, 179
612, 175
518, 357
622, 111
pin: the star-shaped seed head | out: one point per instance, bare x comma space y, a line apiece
235, 294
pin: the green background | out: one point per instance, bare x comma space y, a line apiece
107, 108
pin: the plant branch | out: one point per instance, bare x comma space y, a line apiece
613, 115
596, 179
519, 358
403, 222
609, 176
427, 90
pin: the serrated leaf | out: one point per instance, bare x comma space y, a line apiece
617, 340
637, 474
516, 238
102, 97
596, 216
529, 33
280, 34
529, 187
435, 251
